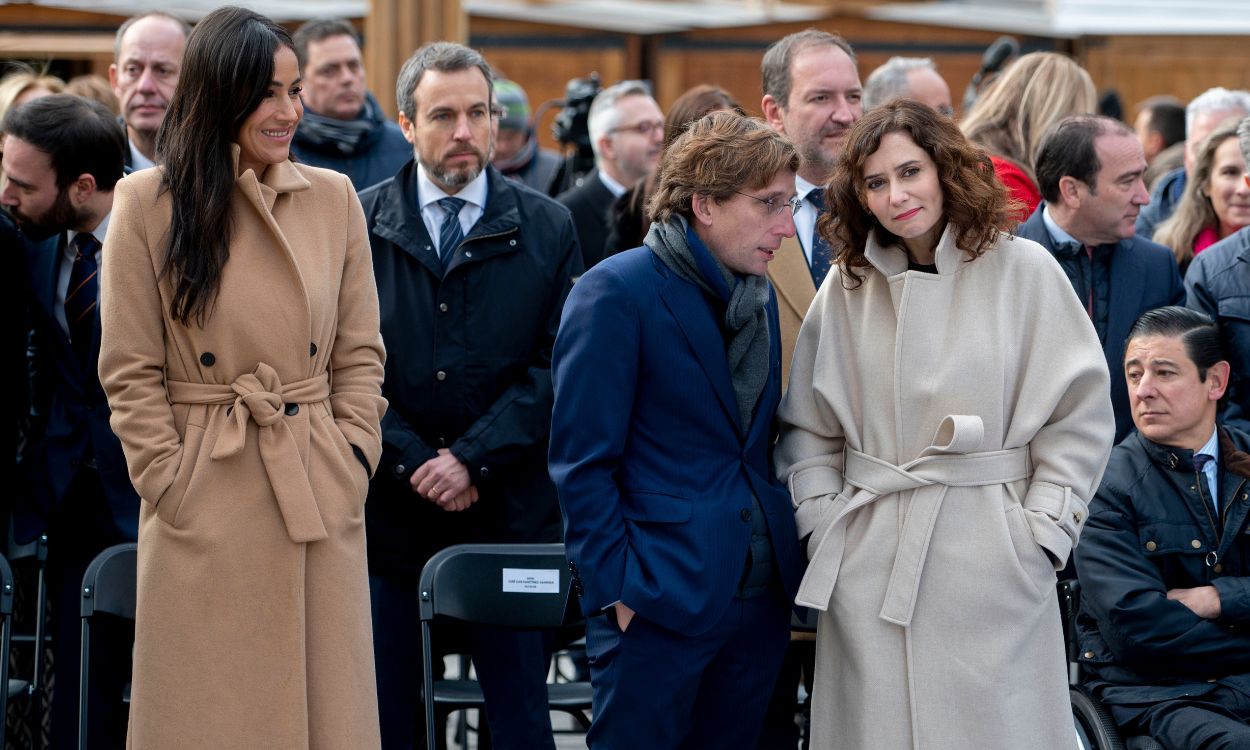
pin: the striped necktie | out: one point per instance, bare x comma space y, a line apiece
822, 254
82, 295
1200, 462
450, 234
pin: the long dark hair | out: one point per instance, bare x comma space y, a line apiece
226, 70
974, 200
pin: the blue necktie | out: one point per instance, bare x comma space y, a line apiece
1200, 462
822, 255
450, 234
82, 296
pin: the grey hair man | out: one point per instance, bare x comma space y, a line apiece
908, 78
626, 132
147, 59
472, 271
343, 127
1202, 115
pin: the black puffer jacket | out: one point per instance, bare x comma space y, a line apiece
468, 366
1152, 528
1218, 284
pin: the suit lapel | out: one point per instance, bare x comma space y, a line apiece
792, 278
1128, 283
691, 312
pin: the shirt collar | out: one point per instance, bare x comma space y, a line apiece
428, 192
137, 159
99, 232
1057, 235
1212, 446
614, 187
802, 187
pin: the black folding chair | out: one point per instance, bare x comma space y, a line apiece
516, 586
108, 587
18, 688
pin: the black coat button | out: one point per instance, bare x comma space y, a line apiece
207, 359
292, 409
746, 514
312, 349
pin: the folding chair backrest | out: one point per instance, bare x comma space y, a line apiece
6, 591
523, 586
108, 586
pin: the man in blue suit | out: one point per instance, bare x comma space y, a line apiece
667, 369
62, 157
1090, 170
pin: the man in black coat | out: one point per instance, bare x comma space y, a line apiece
1218, 284
147, 61
62, 157
626, 133
1090, 172
472, 270
1164, 560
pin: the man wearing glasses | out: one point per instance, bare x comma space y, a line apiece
626, 133
667, 373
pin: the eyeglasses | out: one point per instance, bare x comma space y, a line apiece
775, 207
644, 128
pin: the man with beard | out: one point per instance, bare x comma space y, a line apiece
812, 94
147, 58
626, 133
343, 126
472, 271
62, 157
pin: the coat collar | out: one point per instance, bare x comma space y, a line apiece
283, 177
891, 260
1181, 459
396, 217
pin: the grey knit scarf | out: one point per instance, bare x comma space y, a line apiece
746, 300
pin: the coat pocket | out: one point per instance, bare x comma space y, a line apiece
348, 463
655, 507
1031, 559
170, 502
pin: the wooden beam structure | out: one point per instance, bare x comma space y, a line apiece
394, 29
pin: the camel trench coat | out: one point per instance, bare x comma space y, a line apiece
242, 437
941, 436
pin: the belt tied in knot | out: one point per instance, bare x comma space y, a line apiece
951, 461
261, 397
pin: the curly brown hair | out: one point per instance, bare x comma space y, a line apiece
974, 201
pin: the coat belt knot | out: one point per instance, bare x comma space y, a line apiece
951, 461
260, 396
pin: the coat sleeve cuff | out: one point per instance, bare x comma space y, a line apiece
1234, 594
1056, 516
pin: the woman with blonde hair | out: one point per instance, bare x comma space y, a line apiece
946, 423
1216, 201
25, 83
1010, 119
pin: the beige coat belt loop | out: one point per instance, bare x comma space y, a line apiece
930, 475
262, 397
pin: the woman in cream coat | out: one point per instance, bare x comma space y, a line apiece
946, 422
243, 365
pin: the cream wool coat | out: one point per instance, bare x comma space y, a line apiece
941, 629
253, 626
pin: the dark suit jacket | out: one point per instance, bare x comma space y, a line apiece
1143, 276
653, 474
70, 414
591, 204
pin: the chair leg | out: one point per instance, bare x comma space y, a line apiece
83, 661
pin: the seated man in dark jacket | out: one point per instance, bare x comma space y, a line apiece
1164, 560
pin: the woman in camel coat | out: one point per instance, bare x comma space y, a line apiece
243, 365
946, 422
